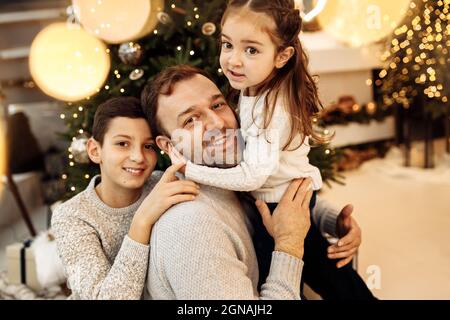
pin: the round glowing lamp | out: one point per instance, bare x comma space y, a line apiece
361, 22
67, 62
118, 21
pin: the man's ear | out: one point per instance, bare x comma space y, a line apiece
93, 149
163, 143
283, 57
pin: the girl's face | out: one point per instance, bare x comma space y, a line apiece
248, 55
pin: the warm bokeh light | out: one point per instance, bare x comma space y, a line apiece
360, 22
67, 62
2, 153
117, 21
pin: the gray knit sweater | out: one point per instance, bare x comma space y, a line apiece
203, 250
100, 260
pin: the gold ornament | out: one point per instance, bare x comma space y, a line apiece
208, 29
79, 150
130, 53
164, 18
136, 74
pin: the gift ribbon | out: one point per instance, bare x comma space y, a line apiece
23, 270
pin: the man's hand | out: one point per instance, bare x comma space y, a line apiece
349, 234
290, 221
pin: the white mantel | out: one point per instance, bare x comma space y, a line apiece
342, 69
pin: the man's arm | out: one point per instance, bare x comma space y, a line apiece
325, 217
339, 224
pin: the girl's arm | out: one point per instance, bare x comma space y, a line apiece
260, 160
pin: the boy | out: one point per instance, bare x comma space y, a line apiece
103, 233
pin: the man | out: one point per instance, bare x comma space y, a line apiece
211, 258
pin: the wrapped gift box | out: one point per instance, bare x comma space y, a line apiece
21, 265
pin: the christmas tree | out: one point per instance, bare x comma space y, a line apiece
417, 60
187, 33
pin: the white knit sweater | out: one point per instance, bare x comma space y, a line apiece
266, 170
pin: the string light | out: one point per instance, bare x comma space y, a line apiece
418, 51
62, 116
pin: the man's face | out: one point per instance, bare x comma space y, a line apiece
202, 126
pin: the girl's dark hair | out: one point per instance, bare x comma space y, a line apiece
301, 96
128, 107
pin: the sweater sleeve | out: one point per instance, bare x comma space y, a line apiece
325, 216
90, 274
196, 256
259, 161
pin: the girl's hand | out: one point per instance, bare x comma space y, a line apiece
166, 193
177, 158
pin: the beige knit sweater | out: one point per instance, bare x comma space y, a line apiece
203, 249
100, 260
200, 249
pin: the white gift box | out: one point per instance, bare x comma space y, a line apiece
21, 265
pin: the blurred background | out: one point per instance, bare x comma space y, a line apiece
382, 69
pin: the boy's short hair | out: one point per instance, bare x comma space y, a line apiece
128, 107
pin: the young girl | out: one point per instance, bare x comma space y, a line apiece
262, 57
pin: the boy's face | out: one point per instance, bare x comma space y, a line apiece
127, 156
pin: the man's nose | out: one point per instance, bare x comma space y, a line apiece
213, 121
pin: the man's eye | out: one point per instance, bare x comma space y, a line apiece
218, 105
226, 45
251, 50
190, 120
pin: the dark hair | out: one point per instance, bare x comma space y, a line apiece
301, 100
128, 107
163, 83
